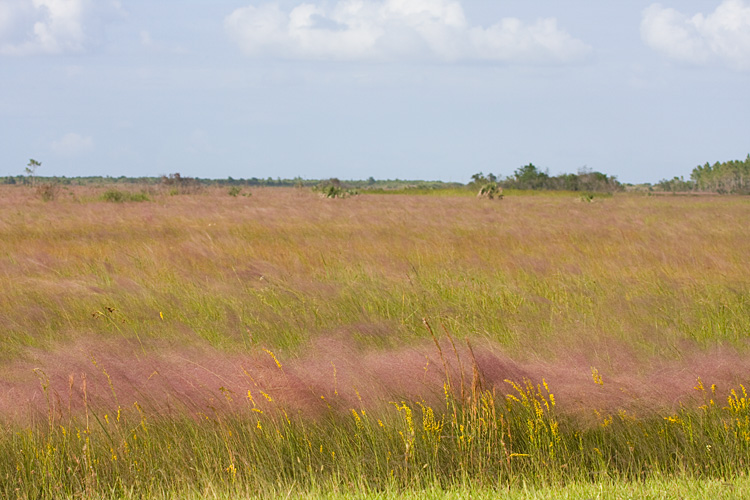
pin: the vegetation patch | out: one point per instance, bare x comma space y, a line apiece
334, 188
490, 191
156, 350
119, 196
474, 437
175, 184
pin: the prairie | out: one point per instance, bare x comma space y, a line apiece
222, 345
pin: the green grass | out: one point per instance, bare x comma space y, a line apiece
654, 489
638, 287
475, 440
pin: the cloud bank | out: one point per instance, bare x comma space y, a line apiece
351, 30
721, 36
50, 26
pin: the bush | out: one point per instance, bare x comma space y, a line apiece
490, 190
177, 184
117, 196
333, 189
47, 192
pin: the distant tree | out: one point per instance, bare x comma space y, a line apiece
30, 169
675, 185
530, 177
479, 179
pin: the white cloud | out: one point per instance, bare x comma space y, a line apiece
723, 35
50, 26
395, 29
72, 144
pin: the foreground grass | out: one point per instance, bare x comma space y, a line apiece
479, 441
654, 489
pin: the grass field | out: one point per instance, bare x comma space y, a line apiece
379, 345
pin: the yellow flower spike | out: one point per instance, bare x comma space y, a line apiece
546, 404
335, 380
356, 417
161, 315
538, 409
699, 385
274, 358
267, 396
519, 390
596, 376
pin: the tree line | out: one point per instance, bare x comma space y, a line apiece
530, 177
729, 177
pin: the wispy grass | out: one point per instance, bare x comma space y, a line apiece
476, 439
524, 271
422, 191
637, 286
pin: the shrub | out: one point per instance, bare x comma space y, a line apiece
177, 184
490, 190
117, 196
47, 192
333, 189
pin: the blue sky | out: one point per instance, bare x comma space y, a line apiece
415, 89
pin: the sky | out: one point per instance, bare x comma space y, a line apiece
408, 89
